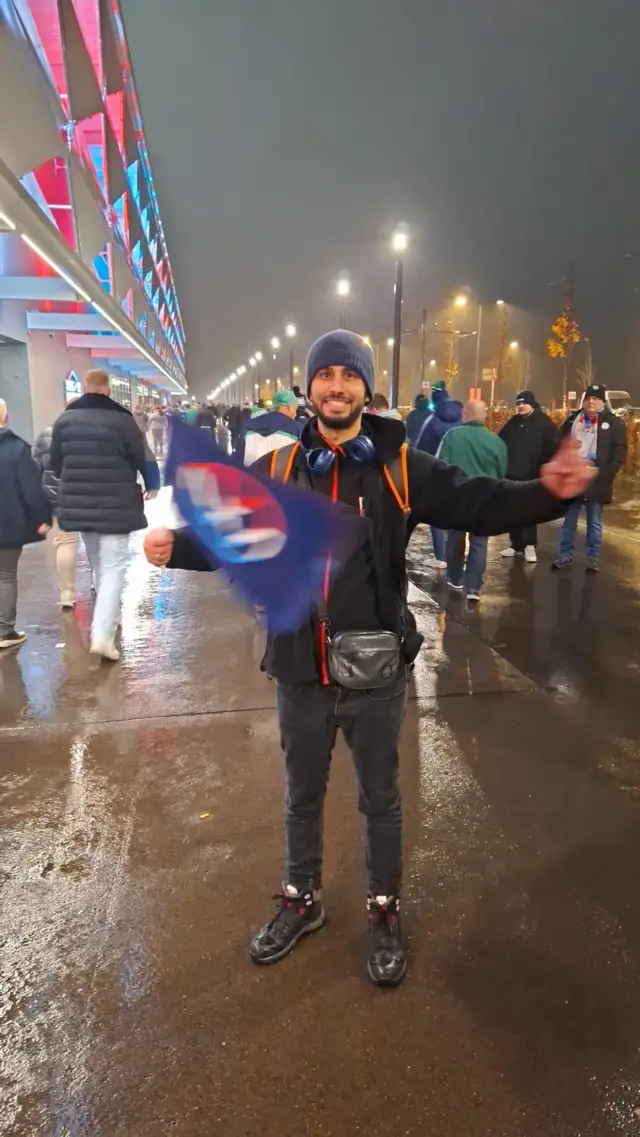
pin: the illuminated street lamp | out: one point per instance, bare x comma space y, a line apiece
514, 345
399, 245
343, 289
461, 301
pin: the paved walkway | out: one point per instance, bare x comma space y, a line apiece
140, 841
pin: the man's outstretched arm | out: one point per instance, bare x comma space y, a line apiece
442, 496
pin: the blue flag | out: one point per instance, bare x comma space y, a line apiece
273, 541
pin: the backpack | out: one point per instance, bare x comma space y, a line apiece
395, 472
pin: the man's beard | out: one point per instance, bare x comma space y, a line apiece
344, 421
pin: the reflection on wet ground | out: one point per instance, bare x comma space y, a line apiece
140, 842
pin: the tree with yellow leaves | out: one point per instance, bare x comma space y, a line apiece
451, 367
565, 334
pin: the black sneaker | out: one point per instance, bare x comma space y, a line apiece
387, 961
562, 563
12, 639
298, 914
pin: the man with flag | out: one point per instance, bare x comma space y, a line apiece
346, 663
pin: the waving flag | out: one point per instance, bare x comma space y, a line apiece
274, 541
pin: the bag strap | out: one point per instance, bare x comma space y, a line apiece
282, 461
397, 475
427, 420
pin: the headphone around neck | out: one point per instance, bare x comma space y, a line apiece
320, 459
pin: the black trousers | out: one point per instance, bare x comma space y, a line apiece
520, 538
310, 716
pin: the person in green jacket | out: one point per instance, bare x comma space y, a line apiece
477, 452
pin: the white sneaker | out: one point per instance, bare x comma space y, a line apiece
508, 552
455, 587
473, 597
530, 555
436, 564
106, 649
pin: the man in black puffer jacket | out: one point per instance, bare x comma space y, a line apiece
25, 517
531, 439
97, 451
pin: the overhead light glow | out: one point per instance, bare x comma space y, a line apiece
56, 267
400, 239
7, 221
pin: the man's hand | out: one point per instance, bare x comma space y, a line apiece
568, 475
158, 547
43, 530
150, 495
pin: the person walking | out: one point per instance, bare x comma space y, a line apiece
447, 413
380, 406
25, 517
531, 438
157, 423
477, 452
207, 419
141, 418
602, 440
98, 452
362, 461
65, 544
268, 430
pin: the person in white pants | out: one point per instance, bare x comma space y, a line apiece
98, 452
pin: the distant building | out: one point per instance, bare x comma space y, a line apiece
85, 276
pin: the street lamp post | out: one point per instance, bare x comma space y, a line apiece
290, 332
275, 348
399, 243
343, 289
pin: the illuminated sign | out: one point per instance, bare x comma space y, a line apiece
72, 388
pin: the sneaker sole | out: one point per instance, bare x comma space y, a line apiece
387, 982
306, 931
12, 643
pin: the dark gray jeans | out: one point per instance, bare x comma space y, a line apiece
8, 589
371, 721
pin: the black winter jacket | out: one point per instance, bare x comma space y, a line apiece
369, 592
610, 455
23, 504
97, 451
41, 452
531, 440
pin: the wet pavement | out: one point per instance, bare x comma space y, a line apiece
140, 841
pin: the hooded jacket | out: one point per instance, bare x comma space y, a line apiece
23, 502
97, 451
610, 453
267, 432
447, 414
416, 418
531, 440
369, 593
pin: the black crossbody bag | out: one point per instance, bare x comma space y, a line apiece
360, 661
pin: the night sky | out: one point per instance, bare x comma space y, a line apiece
287, 137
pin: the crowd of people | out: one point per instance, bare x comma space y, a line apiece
347, 665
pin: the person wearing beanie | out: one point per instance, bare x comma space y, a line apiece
601, 438
347, 665
268, 430
531, 438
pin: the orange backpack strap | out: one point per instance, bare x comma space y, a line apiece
282, 461
397, 476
